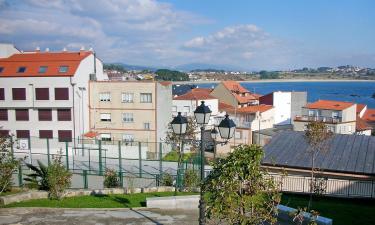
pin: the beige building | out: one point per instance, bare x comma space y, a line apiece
130, 111
340, 117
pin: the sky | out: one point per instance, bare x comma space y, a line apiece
244, 34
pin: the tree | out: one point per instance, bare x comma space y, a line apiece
317, 136
239, 191
171, 75
173, 138
8, 164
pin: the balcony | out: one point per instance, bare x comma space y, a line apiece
323, 119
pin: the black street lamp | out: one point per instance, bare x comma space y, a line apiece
214, 136
202, 115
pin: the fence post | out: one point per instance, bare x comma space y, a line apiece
48, 153
140, 158
161, 159
100, 158
11, 146
20, 183
85, 181
67, 155
119, 157
121, 179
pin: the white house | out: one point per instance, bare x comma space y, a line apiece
45, 94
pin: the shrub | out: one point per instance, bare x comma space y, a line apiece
58, 177
191, 179
8, 164
173, 156
111, 179
39, 178
167, 179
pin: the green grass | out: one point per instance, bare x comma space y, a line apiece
98, 201
342, 211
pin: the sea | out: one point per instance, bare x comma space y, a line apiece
358, 92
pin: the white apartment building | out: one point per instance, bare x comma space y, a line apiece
45, 94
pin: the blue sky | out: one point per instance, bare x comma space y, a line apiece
248, 35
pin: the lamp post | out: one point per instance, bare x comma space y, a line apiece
202, 116
213, 136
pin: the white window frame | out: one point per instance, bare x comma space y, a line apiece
147, 126
105, 137
127, 97
105, 117
145, 98
174, 108
126, 118
105, 96
128, 137
186, 109
237, 134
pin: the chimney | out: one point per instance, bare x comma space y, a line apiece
47, 49
37, 49
82, 48
64, 49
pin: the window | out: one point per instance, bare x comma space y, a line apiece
146, 97
61, 93
23, 133
127, 97
186, 109
105, 117
238, 135
19, 93
4, 133
22, 115
21, 69
64, 115
63, 69
45, 134
43, 69
65, 135
41, 93
335, 114
105, 96
146, 126
350, 129
45, 114
1, 69
3, 114
105, 137
174, 108
311, 112
127, 117
128, 137
2, 94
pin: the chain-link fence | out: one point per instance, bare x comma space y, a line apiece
139, 164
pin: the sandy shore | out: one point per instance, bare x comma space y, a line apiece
273, 81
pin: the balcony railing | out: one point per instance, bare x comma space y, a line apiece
324, 119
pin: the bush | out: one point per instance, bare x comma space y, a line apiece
38, 179
111, 179
59, 178
191, 179
8, 164
167, 179
173, 156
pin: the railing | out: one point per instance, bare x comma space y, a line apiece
324, 119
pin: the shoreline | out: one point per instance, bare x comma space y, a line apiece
274, 81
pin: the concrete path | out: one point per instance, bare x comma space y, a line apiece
49, 216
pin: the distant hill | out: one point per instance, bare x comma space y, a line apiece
204, 67
135, 67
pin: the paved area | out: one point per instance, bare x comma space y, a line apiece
49, 216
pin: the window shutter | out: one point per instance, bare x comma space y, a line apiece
23, 133
2, 94
61, 93
22, 115
63, 115
45, 134
4, 133
45, 114
3, 114
65, 135
41, 93
19, 93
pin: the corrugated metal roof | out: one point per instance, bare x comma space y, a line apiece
353, 154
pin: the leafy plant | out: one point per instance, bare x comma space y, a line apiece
58, 178
299, 216
167, 179
111, 178
8, 164
39, 178
239, 191
191, 179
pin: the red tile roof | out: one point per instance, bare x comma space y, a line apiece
369, 115
32, 62
328, 104
254, 109
196, 94
360, 107
234, 86
362, 125
237, 90
224, 106
165, 83
91, 134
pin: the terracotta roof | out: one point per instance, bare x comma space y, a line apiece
369, 115
245, 99
362, 125
360, 107
91, 134
254, 109
224, 106
196, 94
328, 104
234, 86
32, 62
165, 83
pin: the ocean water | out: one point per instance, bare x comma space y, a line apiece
359, 92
